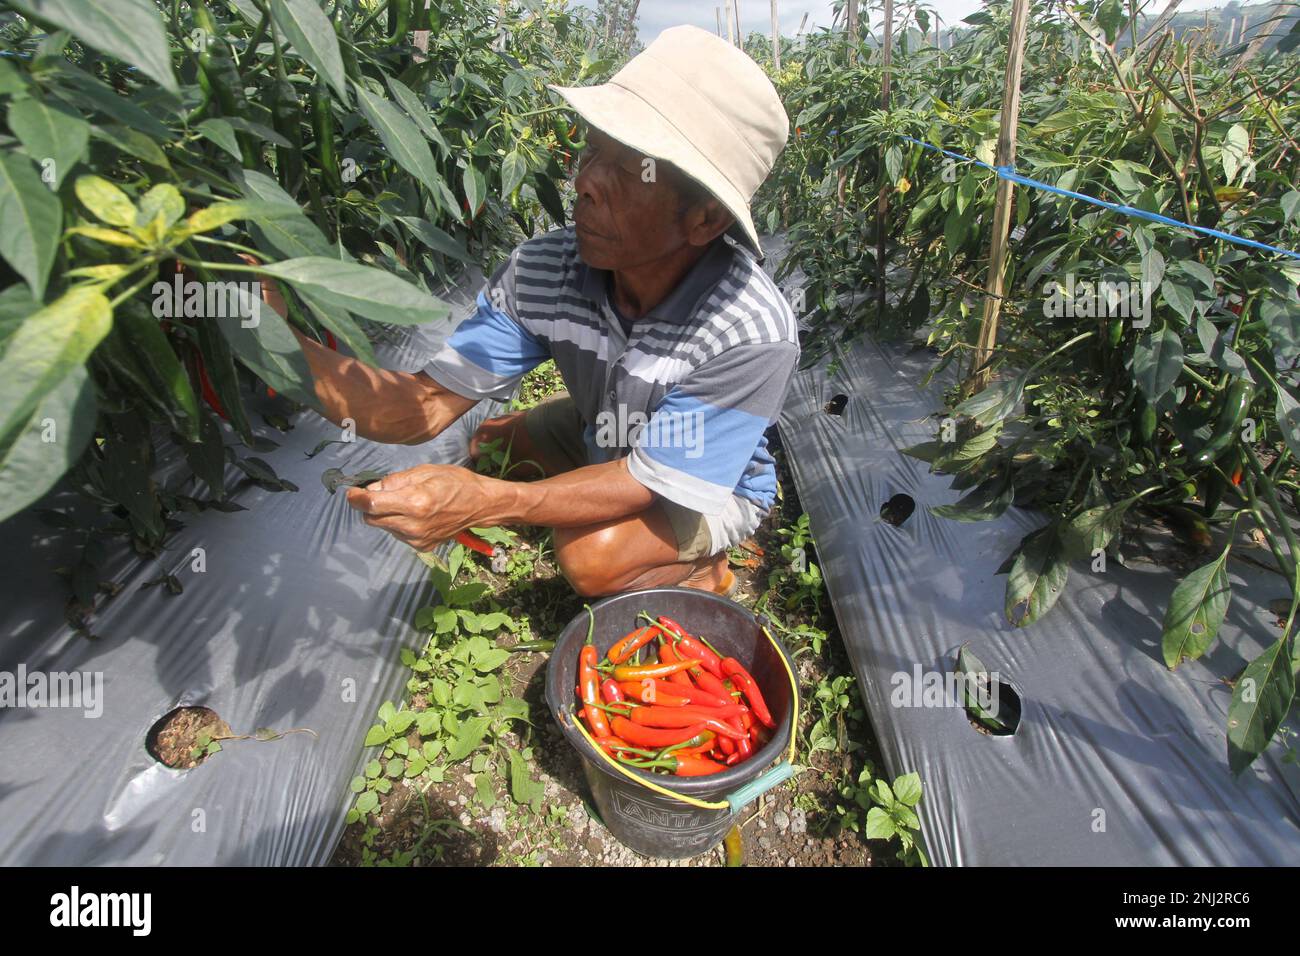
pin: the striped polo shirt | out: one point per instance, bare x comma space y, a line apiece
686, 391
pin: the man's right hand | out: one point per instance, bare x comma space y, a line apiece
398, 408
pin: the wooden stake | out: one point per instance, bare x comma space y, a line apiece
1166, 15
629, 29
740, 37
776, 39
1261, 36
882, 198
731, 27
852, 28
718, 11
1002, 211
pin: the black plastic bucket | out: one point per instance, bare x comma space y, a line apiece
653, 823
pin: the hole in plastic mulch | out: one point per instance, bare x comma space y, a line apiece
897, 509
836, 405
992, 705
185, 737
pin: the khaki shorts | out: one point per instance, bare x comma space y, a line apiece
556, 428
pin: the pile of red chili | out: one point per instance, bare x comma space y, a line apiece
690, 713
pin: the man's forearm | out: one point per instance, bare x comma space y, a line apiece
580, 497
387, 406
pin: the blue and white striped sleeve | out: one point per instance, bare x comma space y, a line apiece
488, 353
704, 433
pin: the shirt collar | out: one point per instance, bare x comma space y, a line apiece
680, 304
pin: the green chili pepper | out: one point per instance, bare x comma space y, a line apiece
399, 18
562, 134
322, 119
1236, 403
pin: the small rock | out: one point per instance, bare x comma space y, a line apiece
765, 843
496, 820
594, 846
762, 824
781, 819
577, 817
465, 820
790, 862
462, 799
798, 821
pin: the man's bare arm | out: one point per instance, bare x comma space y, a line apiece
404, 408
429, 503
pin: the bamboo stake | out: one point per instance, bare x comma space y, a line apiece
852, 27
1166, 15
1002, 211
718, 11
882, 198
740, 37
731, 28
776, 39
1261, 36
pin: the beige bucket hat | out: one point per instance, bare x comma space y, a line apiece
692, 99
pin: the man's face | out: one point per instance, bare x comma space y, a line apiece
628, 210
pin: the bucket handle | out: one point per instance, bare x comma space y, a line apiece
764, 782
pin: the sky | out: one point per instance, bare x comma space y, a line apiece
655, 15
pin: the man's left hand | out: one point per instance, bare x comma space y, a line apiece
424, 505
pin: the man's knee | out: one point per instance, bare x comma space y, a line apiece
590, 560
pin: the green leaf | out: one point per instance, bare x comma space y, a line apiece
377, 734
523, 788
367, 802
418, 112
988, 500
369, 292
33, 219
105, 201
880, 826
373, 770
50, 132
436, 239
1196, 611
1093, 529
1157, 363
401, 137
907, 789
311, 35
37, 453
1179, 298
468, 738
491, 660
219, 131
428, 723
995, 402
513, 171
45, 349
1037, 577
1235, 152
165, 371
132, 142
1288, 420
268, 348
129, 30
1260, 702
401, 722
159, 208
218, 214
475, 188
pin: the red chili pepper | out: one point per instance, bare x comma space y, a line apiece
640, 736
611, 692
733, 669
622, 650
727, 745
689, 645
210, 393
734, 759
653, 671
649, 691
475, 543
589, 684
664, 692
712, 685
667, 655
689, 766
680, 717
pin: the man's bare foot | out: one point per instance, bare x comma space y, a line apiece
711, 574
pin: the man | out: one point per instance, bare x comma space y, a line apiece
675, 347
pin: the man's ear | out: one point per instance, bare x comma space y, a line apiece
707, 221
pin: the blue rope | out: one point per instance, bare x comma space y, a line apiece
1008, 173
